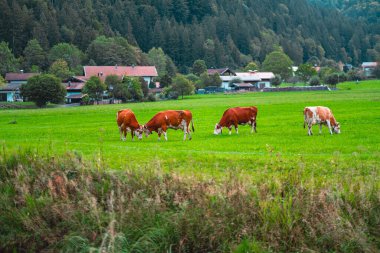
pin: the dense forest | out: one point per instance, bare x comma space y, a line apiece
221, 32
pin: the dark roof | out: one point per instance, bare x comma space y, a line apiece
219, 71
76, 95
19, 76
243, 85
74, 86
11, 86
104, 71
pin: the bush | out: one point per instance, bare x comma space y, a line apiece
42, 89
276, 81
152, 97
314, 81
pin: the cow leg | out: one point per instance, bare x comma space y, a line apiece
133, 135
309, 129
121, 133
320, 128
329, 126
124, 134
166, 136
159, 135
229, 129
185, 129
237, 130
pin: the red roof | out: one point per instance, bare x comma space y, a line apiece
103, 71
74, 86
19, 76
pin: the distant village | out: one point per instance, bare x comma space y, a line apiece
231, 81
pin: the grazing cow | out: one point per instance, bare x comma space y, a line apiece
170, 119
127, 122
237, 116
320, 115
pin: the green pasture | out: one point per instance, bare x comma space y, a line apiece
91, 132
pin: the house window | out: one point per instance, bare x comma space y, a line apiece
3, 96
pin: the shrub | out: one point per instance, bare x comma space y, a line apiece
42, 89
314, 81
276, 81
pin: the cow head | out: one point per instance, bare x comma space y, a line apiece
146, 130
336, 128
139, 132
218, 129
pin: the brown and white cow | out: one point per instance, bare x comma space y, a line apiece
237, 116
127, 122
174, 119
320, 115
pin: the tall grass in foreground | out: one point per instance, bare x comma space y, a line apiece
50, 204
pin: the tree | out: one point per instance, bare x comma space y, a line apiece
376, 71
182, 86
60, 69
112, 81
278, 63
199, 67
94, 88
332, 79
314, 81
8, 62
165, 81
306, 71
251, 66
234, 80
144, 87
133, 85
34, 55
276, 81
42, 89
68, 52
2, 81
157, 58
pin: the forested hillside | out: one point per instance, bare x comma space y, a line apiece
223, 33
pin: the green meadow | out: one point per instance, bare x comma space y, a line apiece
69, 184
92, 132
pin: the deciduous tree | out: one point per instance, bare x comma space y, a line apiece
94, 88
278, 63
42, 89
182, 86
60, 69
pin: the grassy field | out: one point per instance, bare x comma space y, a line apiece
68, 184
92, 132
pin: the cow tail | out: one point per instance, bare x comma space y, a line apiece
192, 125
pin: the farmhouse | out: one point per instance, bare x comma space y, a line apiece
253, 79
75, 84
368, 68
146, 72
11, 92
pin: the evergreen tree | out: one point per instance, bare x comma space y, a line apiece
8, 62
34, 55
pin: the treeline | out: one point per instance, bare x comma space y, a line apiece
221, 32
